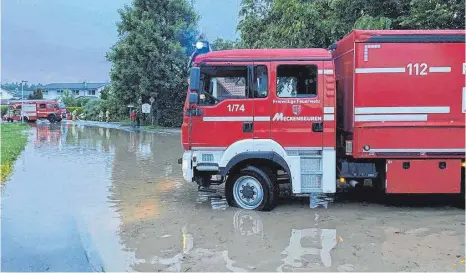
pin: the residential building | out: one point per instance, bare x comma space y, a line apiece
84, 89
5, 94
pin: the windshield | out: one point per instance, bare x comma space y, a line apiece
221, 82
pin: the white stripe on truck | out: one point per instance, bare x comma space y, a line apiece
325, 71
390, 118
329, 110
329, 117
421, 150
439, 69
380, 70
243, 118
403, 110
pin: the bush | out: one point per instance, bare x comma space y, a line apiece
79, 110
4, 109
92, 110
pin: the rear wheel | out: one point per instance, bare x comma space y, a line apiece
252, 188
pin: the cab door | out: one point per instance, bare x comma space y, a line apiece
226, 107
297, 104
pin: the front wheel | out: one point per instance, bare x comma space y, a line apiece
52, 118
251, 188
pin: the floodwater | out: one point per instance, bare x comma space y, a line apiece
103, 199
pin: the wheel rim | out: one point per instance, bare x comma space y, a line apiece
248, 192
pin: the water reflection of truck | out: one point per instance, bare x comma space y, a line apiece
32, 110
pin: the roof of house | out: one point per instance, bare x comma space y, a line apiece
234, 88
80, 86
6, 91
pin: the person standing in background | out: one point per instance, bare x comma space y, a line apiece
133, 117
107, 115
101, 115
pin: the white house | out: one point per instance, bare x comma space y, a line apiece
84, 89
5, 94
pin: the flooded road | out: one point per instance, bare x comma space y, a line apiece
103, 199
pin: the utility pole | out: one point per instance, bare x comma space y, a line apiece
22, 100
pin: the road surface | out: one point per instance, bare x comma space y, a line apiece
102, 199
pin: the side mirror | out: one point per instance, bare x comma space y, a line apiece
194, 79
193, 98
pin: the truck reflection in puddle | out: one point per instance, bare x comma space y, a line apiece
321, 242
308, 249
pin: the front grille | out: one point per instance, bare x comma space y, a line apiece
310, 164
303, 153
207, 157
311, 183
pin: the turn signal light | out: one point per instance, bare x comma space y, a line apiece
463, 164
342, 180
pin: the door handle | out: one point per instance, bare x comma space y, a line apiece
247, 127
317, 126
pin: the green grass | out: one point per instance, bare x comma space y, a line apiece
13, 140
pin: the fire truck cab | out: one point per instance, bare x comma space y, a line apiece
254, 117
382, 107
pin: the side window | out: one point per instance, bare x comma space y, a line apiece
223, 82
261, 80
49, 106
296, 81
42, 106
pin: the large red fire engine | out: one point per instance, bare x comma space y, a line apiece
381, 108
32, 110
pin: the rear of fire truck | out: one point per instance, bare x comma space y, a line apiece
401, 103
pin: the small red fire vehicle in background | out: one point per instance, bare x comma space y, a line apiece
32, 110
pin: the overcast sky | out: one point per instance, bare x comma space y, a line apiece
66, 40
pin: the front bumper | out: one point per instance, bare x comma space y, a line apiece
186, 166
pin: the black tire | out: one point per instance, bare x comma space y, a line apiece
25, 119
264, 177
51, 118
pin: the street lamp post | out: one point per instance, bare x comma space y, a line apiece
22, 100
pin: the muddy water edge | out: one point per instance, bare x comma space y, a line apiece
103, 199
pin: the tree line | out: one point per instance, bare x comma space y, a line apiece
156, 39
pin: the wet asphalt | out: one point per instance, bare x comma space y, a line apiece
85, 198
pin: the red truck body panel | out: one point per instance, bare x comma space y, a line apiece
400, 92
416, 179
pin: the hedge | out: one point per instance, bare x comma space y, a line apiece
4, 109
79, 110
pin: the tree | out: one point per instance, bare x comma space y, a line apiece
319, 23
151, 55
36, 95
68, 99
434, 14
221, 44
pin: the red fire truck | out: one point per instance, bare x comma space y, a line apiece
381, 108
32, 110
